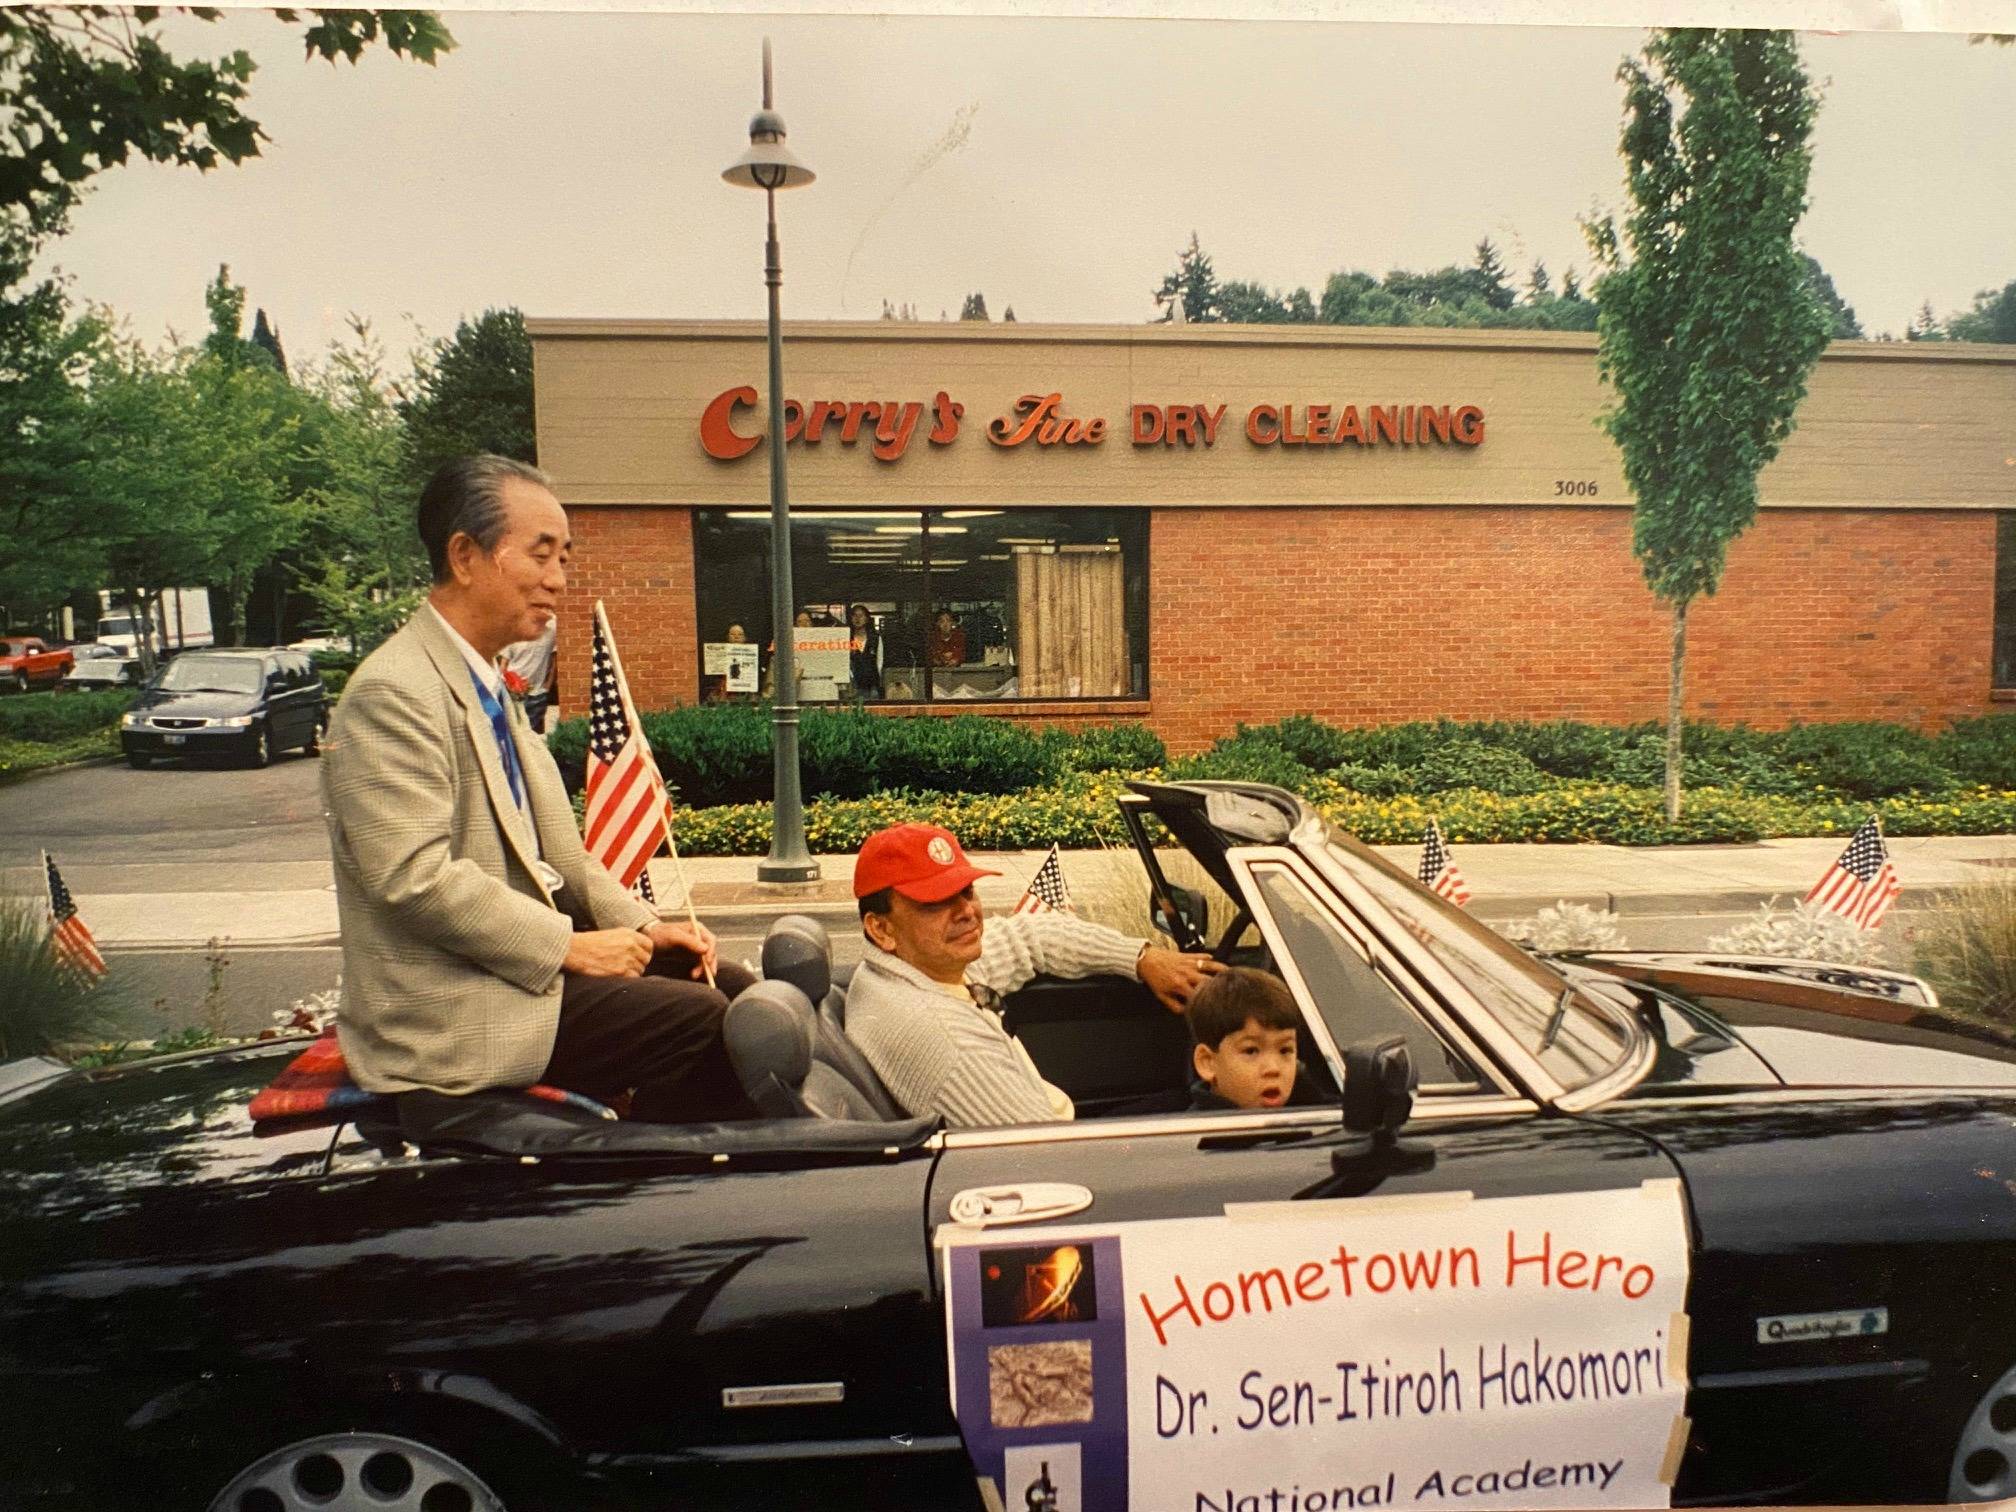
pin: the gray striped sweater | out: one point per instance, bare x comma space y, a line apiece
939, 1051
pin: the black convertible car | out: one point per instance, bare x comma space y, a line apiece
1559, 1231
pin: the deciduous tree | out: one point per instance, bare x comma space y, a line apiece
1709, 327
469, 393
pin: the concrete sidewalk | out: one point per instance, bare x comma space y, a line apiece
1506, 882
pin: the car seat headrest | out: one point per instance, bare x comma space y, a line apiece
768, 1034
797, 951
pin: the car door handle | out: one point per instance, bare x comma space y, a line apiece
990, 1207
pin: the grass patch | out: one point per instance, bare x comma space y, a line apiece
22, 758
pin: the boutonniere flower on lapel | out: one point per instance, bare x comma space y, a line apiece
514, 684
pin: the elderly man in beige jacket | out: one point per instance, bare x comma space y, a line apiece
482, 945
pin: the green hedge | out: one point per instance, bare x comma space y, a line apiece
718, 754
1078, 812
54, 717
1865, 761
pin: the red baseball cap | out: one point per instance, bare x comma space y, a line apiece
921, 861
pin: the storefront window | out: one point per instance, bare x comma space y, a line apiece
952, 604
2005, 601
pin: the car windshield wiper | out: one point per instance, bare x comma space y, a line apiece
1554, 1019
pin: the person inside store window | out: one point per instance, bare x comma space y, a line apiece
714, 686
864, 652
947, 646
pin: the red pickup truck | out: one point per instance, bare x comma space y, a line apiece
25, 661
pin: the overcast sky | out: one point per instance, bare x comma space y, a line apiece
569, 164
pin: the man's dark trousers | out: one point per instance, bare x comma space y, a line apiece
659, 1034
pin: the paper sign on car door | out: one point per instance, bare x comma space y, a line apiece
1321, 1356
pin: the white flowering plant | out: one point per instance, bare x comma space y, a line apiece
1802, 932
313, 1014
1567, 926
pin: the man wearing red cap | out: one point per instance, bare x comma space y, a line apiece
924, 1006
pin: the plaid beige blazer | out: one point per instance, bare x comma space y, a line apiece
451, 944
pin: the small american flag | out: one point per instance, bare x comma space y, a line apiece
1438, 872
1862, 884
1047, 893
627, 810
68, 936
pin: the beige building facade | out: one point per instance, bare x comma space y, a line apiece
1085, 503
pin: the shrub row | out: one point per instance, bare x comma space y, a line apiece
1078, 812
50, 718
1864, 761
720, 754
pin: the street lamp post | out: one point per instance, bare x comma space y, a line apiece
769, 165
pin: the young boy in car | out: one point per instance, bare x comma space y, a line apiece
1244, 1024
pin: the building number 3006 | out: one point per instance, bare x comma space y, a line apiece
1567, 488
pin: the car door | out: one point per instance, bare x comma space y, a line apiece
1208, 1351
712, 1326
277, 689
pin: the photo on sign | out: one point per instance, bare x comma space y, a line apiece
1033, 1385
1042, 1478
1047, 1284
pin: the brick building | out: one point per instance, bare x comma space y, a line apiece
1194, 526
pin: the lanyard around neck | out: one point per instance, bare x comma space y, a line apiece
507, 748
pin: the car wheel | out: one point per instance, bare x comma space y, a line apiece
139, 760
1984, 1462
376, 1470
262, 747
20, 682
314, 746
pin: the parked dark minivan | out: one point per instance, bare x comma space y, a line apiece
243, 702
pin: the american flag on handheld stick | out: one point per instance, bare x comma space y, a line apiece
1438, 872
1862, 884
628, 812
68, 936
1047, 893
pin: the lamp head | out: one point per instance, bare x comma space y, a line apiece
769, 163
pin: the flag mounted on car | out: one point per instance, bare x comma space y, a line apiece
69, 938
1047, 892
628, 812
1438, 871
1861, 884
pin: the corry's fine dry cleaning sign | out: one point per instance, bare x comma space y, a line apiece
1319, 1356
1043, 421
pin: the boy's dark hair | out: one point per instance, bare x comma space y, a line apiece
881, 902
1223, 1004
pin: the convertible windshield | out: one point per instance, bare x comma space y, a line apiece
210, 674
1558, 1027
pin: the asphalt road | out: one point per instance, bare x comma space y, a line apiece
172, 828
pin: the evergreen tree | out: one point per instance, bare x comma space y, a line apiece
975, 307
1538, 285
1571, 287
1194, 285
1490, 281
267, 339
1842, 324
1924, 325
1008, 316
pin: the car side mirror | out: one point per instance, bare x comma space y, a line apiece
1191, 910
1378, 1087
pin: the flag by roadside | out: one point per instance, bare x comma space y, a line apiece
1862, 884
627, 810
1047, 893
68, 935
1438, 872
